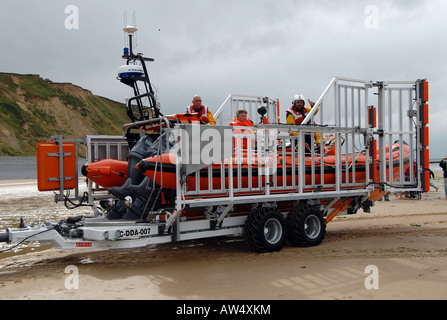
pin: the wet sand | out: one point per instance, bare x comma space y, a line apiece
405, 242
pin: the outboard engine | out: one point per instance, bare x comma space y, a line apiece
134, 74
138, 186
144, 148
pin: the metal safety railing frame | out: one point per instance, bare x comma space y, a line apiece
271, 185
249, 103
363, 116
99, 147
354, 96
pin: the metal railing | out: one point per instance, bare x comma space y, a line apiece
227, 111
100, 148
351, 103
367, 122
268, 164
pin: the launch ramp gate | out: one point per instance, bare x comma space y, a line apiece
361, 116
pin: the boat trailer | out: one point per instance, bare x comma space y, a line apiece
373, 140
273, 206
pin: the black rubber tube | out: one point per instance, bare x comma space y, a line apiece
4, 236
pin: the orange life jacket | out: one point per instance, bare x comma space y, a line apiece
298, 115
238, 123
203, 113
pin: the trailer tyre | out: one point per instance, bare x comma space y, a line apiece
265, 230
306, 226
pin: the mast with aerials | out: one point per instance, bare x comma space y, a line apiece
134, 74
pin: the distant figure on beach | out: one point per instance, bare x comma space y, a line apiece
443, 164
432, 175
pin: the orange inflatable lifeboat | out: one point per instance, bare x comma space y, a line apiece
162, 170
107, 173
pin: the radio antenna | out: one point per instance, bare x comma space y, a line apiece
124, 25
134, 19
129, 30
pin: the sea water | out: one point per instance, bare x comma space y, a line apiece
20, 198
20, 168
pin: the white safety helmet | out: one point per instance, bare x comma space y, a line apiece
298, 97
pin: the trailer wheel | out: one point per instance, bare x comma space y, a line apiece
265, 230
306, 226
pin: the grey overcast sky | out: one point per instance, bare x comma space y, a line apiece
215, 48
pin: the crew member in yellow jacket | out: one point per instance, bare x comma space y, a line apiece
296, 115
205, 114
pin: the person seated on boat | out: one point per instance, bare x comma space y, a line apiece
204, 112
296, 115
242, 120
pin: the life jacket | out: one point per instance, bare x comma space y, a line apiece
186, 117
238, 123
203, 113
298, 115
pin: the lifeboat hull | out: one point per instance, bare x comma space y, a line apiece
162, 170
107, 173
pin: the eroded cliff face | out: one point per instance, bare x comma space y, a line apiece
33, 109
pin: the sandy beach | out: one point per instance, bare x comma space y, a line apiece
399, 251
